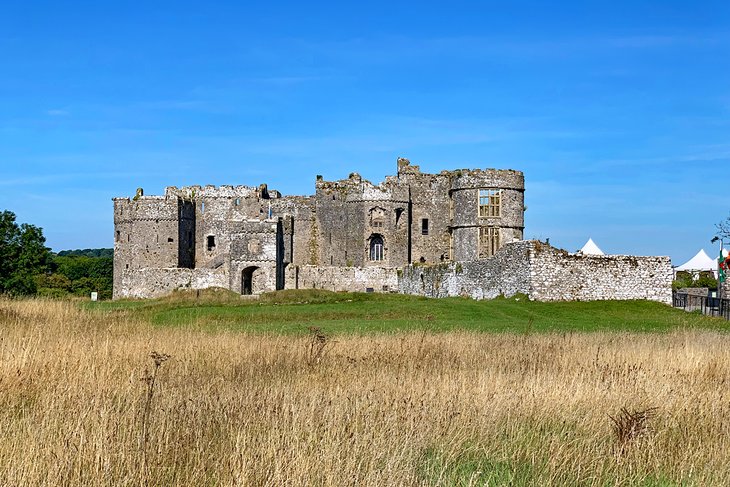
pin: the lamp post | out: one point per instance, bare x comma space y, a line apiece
719, 270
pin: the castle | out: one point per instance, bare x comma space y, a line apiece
350, 235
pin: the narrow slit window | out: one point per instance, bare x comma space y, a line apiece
211, 243
424, 226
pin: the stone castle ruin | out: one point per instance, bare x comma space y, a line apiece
453, 233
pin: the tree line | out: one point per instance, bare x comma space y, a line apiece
28, 267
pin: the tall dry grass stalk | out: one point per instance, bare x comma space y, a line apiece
450, 409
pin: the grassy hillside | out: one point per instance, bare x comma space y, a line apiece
293, 312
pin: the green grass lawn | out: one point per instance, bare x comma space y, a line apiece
293, 312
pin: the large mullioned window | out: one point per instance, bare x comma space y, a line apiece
490, 203
488, 241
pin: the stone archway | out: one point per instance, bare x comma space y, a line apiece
247, 280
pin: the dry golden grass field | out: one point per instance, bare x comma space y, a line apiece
85, 401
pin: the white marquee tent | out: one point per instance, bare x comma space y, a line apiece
590, 248
698, 263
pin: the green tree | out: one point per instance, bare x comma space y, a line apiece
23, 255
83, 273
706, 279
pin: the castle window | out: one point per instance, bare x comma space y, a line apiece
376, 248
377, 223
211, 242
237, 202
398, 214
490, 203
424, 226
488, 241
118, 235
202, 207
169, 239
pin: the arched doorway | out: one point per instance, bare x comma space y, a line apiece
247, 280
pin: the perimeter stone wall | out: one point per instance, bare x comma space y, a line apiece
556, 275
333, 278
545, 273
156, 282
506, 273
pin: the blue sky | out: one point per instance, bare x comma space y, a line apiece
617, 112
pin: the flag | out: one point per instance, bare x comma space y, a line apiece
722, 267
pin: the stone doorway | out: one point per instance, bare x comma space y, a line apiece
247, 280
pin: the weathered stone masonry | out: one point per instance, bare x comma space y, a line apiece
448, 234
351, 234
545, 273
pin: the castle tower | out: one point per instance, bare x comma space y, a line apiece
488, 208
152, 231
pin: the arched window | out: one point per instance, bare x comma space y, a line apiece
376, 247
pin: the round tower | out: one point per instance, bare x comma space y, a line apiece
487, 211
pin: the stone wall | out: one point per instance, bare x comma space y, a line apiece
156, 282
332, 278
507, 273
556, 275
545, 273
